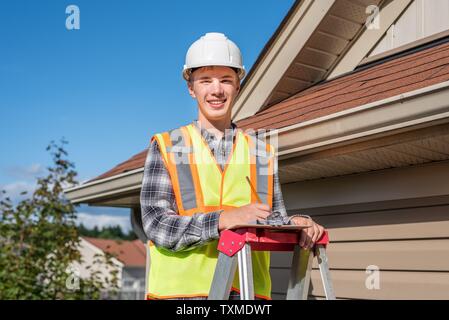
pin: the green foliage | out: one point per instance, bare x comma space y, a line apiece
39, 241
106, 232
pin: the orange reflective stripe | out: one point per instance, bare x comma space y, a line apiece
226, 208
194, 170
151, 296
171, 166
271, 176
207, 209
253, 167
204, 209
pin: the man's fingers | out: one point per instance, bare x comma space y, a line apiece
321, 229
310, 236
262, 214
262, 206
316, 233
302, 238
307, 238
310, 233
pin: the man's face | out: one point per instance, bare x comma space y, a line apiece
215, 89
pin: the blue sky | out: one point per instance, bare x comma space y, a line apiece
109, 86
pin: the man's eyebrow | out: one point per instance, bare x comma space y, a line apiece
209, 77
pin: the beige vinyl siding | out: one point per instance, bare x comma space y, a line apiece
410, 246
423, 18
407, 239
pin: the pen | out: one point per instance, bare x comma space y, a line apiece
253, 190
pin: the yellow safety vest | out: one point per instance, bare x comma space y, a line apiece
201, 186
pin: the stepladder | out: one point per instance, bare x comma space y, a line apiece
235, 247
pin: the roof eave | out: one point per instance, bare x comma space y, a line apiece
403, 112
382, 118
107, 188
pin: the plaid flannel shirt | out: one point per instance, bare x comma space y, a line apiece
162, 223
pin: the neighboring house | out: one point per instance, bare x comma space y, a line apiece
128, 256
363, 141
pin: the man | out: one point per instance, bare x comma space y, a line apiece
194, 182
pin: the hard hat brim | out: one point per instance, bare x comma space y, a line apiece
187, 70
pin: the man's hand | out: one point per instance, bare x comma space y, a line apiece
243, 215
310, 235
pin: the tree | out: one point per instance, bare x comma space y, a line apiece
106, 232
39, 241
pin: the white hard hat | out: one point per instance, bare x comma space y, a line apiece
213, 49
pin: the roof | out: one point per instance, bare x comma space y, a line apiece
131, 253
135, 162
392, 77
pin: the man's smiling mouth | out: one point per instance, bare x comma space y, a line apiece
216, 103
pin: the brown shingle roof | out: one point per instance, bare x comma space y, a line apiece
391, 78
131, 253
411, 72
135, 162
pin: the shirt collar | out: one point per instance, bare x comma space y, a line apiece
229, 134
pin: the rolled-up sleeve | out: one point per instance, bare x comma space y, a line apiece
161, 222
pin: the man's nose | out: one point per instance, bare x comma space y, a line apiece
216, 87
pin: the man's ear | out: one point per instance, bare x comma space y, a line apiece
190, 88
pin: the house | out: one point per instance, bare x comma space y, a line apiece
128, 257
360, 103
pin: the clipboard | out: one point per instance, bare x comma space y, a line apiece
270, 227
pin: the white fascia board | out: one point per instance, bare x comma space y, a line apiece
107, 187
407, 111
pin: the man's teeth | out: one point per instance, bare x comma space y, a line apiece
217, 102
